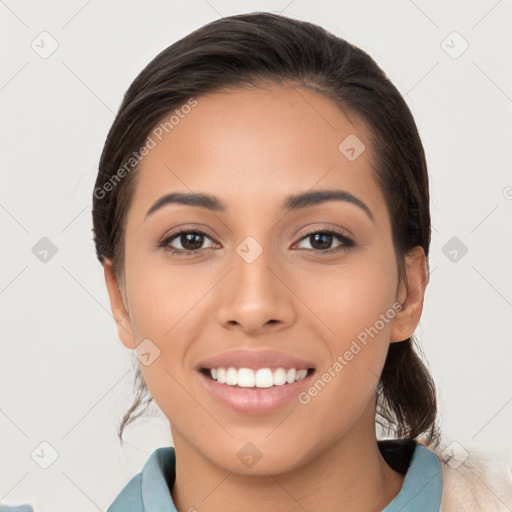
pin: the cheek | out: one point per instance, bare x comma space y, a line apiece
166, 309
353, 303
350, 298
163, 296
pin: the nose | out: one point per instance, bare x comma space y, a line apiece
255, 297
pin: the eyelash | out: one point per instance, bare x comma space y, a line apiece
348, 243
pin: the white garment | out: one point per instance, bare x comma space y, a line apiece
481, 483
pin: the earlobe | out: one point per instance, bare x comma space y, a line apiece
118, 306
411, 294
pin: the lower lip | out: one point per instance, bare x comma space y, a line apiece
255, 400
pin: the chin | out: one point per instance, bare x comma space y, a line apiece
263, 456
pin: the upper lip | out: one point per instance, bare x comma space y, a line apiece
255, 359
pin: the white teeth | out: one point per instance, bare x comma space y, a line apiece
279, 377
246, 378
221, 375
264, 378
301, 374
231, 377
261, 378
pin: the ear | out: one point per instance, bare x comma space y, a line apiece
410, 295
118, 306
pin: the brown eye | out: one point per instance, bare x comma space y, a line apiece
191, 241
321, 241
188, 242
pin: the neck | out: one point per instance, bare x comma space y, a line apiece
350, 475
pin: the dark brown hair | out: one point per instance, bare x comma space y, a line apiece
249, 50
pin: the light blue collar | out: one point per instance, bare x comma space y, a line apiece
423, 485
149, 491
155, 492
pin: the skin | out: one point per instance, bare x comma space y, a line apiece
252, 148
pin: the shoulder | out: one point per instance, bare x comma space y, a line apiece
475, 480
149, 489
130, 498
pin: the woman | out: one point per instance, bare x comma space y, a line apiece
261, 213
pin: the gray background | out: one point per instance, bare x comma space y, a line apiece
66, 379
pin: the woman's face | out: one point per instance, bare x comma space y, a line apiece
261, 291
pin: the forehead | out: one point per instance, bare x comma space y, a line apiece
258, 145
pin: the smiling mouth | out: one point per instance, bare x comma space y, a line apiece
256, 378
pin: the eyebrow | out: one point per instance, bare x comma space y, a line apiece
291, 203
